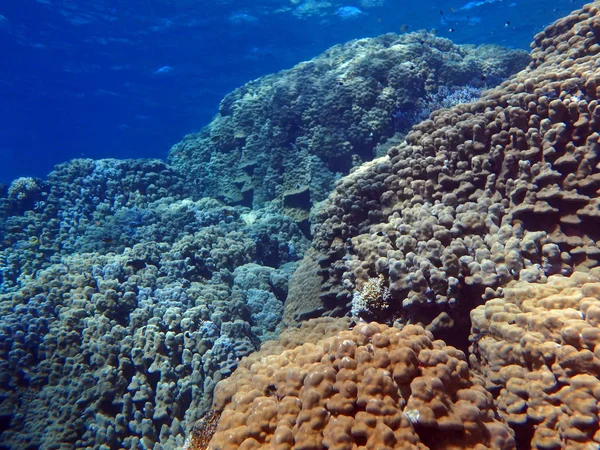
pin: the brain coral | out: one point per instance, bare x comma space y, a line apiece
483, 193
287, 136
371, 387
539, 351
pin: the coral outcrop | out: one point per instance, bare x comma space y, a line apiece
305, 286
123, 302
127, 293
500, 189
106, 206
84, 206
288, 136
96, 352
371, 387
538, 349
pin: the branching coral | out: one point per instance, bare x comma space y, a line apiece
202, 432
372, 299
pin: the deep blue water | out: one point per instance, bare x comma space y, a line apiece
129, 79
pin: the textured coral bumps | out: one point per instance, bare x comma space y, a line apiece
135, 301
504, 188
288, 136
371, 387
538, 349
121, 347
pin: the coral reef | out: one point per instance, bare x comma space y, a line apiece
371, 387
109, 205
288, 136
480, 194
133, 302
143, 305
538, 350
76, 211
107, 353
23, 194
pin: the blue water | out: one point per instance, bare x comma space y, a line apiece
130, 79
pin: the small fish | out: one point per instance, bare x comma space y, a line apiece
403, 28
136, 264
107, 240
271, 390
507, 23
31, 243
451, 30
163, 70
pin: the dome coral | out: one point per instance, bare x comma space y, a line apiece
372, 387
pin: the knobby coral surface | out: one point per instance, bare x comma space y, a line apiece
480, 194
538, 349
121, 347
287, 136
371, 387
122, 304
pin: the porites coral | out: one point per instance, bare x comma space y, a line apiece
481, 194
372, 387
539, 351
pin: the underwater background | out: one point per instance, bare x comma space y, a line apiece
101, 79
300, 225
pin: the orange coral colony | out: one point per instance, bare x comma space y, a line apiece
373, 387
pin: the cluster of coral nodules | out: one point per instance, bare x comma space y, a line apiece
500, 189
539, 351
288, 136
371, 387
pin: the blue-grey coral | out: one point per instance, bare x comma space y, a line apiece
124, 300
289, 136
